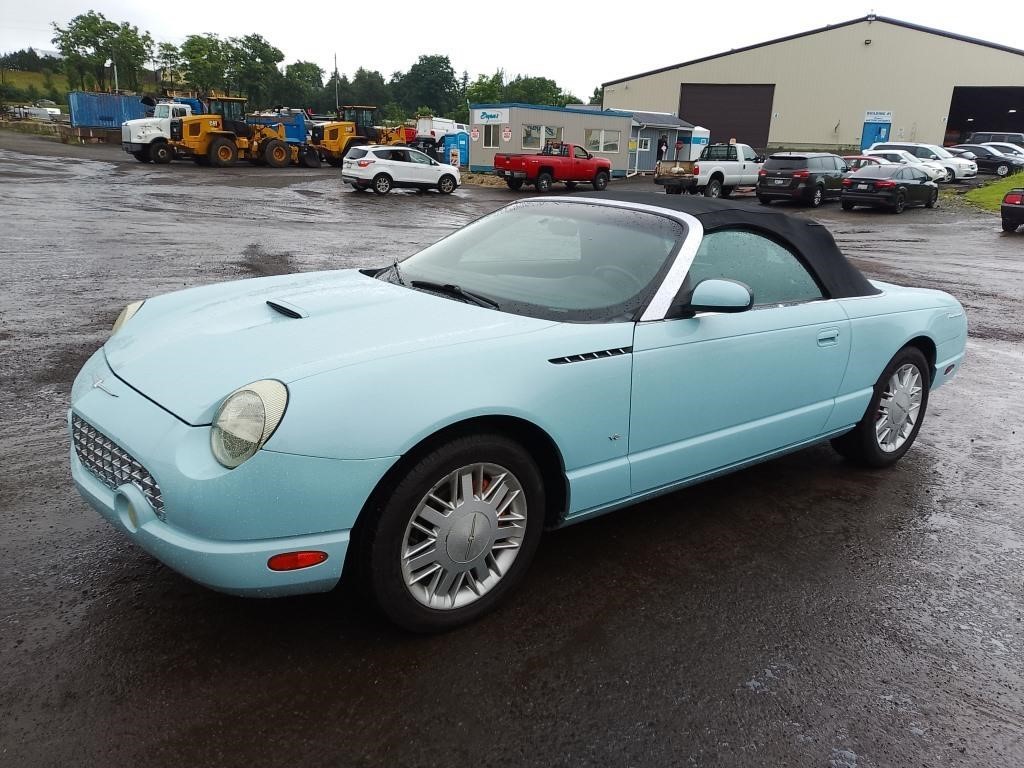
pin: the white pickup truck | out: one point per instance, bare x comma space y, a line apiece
720, 169
146, 138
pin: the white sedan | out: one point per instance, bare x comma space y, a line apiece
936, 171
383, 168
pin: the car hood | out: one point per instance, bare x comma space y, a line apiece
187, 350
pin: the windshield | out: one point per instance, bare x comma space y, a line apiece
939, 151
161, 110
567, 261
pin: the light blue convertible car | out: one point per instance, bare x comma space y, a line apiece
417, 427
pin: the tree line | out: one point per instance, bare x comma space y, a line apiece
252, 66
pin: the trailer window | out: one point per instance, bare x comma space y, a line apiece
491, 134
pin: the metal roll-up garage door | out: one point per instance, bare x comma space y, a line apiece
741, 112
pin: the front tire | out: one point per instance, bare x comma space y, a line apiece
600, 181
950, 176
161, 153
381, 183
893, 416
456, 533
446, 184
276, 153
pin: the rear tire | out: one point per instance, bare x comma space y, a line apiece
713, 189
888, 404
543, 182
276, 153
223, 153
600, 181
381, 183
900, 204
161, 153
817, 197
1002, 170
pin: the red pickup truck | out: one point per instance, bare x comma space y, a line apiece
556, 162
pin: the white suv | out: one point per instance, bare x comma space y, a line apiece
382, 168
956, 167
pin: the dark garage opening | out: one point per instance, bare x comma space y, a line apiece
741, 112
984, 108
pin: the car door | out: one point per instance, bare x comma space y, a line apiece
583, 167
922, 189
423, 170
716, 390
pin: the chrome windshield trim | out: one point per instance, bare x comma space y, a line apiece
659, 305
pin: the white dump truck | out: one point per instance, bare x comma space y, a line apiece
146, 138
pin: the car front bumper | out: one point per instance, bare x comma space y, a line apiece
131, 147
217, 527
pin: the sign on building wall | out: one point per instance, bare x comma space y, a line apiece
475, 134
485, 116
877, 116
506, 134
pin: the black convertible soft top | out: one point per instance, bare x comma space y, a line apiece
811, 242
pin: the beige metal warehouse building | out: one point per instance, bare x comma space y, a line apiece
841, 86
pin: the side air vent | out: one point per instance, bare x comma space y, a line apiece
591, 356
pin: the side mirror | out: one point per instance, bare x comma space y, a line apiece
713, 295
759, 159
589, 156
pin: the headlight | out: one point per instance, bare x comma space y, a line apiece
246, 420
126, 314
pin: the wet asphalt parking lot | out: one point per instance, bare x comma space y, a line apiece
800, 613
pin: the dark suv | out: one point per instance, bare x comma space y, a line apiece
811, 177
982, 137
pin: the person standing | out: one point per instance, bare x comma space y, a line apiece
662, 147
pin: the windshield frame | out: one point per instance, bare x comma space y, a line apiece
634, 308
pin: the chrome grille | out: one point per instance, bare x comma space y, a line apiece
111, 464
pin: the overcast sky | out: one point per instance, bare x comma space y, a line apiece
556, 40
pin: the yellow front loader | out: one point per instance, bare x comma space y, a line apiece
223, 136
353, 128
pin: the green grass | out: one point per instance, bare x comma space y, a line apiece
990, 196
25, 79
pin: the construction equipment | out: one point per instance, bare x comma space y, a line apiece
224, 135
353, 128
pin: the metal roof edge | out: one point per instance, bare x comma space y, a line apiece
550, 108
819, 30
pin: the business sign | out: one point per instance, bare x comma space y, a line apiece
877, 116
485, 116
506, 134
475, 134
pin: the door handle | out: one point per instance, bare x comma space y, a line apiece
828, 337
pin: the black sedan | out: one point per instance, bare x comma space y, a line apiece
1012, 209
889, 186
991, 160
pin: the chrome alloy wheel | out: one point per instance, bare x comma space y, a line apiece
899, 408
464, 536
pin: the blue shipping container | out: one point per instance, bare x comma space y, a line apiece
103, 110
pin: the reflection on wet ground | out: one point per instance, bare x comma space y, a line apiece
801, 613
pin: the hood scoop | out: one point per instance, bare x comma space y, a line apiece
287, 309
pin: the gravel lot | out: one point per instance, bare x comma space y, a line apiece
801, 613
